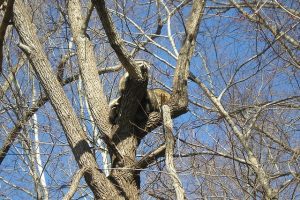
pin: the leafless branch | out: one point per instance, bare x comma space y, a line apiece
150, 157
116, 42
170, 143
5, 22
74, 184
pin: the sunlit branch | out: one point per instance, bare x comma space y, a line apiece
116, 42
74, 184
170, 144
5, 22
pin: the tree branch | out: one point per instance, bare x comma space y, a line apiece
251, 159
116, 42
170, 143
180, 96
5, 22
88, 71
150, 157
179, 100
258, 19
74, 184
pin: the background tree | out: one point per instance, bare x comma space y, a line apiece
231, 67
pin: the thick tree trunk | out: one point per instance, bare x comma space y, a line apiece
99, 184
127, 140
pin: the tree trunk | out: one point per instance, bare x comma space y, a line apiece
99, 184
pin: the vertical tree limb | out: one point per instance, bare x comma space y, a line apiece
36, 148
88, 71
168, 130
5, 22
179, 96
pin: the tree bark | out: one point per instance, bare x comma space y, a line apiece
99, 184
74, 184
170, 143
179, 100
180, 97
127, 137
116, 42
88, 71
39, 103
5, 22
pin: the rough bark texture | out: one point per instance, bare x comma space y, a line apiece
179, 100
99, 184
5, 22
127, 140
180, 96
126, 146
126, 134
88, 71
122, 183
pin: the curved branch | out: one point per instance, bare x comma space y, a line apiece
116, 42
179, 99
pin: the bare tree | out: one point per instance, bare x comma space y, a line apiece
226, 123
